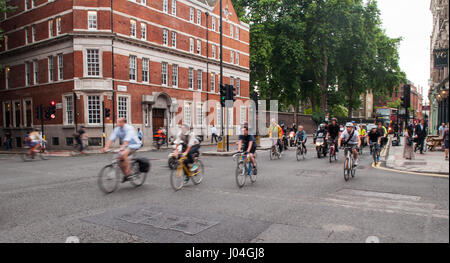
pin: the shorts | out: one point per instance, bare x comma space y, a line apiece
32, 144
446, 144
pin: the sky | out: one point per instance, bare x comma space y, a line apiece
411, 20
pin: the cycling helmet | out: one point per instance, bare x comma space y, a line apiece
321, 126
282, 125
349, 124
334, 119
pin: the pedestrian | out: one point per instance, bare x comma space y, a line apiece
8, 140
213, 134
79, 136
441, 129
408, 151
140, 135
446, 140
421, 134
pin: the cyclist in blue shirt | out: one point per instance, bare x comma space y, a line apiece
130, 144
300, 136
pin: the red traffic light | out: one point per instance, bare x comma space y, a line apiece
53, 103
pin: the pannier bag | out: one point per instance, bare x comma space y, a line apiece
144, 164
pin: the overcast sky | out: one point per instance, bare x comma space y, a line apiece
411, 20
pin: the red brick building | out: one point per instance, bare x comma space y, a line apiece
64, 50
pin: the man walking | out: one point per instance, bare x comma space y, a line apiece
421, 134
213, 134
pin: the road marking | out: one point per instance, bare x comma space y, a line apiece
372, 239
73, 239
408, 172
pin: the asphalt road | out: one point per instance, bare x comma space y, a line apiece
292, 201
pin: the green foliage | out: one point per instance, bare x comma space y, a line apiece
339, 111
318, 117
334, 43
308, 111
5, 8
394, 104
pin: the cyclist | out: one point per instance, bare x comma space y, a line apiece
333, 132
374, 137
382, 130
283, 136
362, 134
322, 132
79, 135
351, 138
276, 133
33, 141
192, 146
300, 136
248, 143
130, 143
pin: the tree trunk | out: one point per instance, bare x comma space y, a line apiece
313, 101
323, 84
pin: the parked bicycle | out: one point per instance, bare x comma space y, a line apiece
183, 173
275, 151
111, 174
41, 152
349, 167
244, 168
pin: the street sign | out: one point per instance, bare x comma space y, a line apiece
58, 105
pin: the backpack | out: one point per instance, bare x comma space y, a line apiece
144, 164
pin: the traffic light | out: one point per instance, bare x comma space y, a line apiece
223, 94
107, 112
51, 111
39, 112
231, 93
406, 98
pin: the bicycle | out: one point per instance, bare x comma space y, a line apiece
110, 175
43, 154
301, 151
182, 174
244, 168
349, 167
275, 151
332, 150
375, 152
76, 148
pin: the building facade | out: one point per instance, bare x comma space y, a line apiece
154, 62
439, 88
365, 110
416, 100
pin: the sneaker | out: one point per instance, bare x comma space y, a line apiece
194, 168
255, 171
125, 178
356, 163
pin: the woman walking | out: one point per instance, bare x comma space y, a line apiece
408, 151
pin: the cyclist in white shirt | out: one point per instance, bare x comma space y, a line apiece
350, 137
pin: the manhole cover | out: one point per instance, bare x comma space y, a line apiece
192, 225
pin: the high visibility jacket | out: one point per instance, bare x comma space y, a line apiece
274, 130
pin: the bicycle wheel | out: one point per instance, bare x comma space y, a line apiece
138, 177
375, 156
331, 155
272, 153
108, 179
198, 175
26, 158
241, 174
172, 162
177, 178
353, 171
44, 155
298, 154
252, 175
346, 169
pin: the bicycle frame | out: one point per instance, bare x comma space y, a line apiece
185, 168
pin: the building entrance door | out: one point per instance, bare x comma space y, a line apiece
158, 116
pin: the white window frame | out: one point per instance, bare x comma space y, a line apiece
145, 70
213, 51
232, 57
58, 26
33, 33
133, 29
50, 28
199, 47
35, 72
237, 33
143, 2
242, 114
199, 17
187, 113
92, 20
60, 66
231, 31
51, 71
174, 39
27, 35
213, 24
199, 80
213, 82
7, 75
13, 105
191, 15
219, 114
164, 73
232, 81
165, 6
174, 7
98, 113
143, 31
120, 110
230, 117
174, 75
237, 58
86, 72
199, 114
28, 73
191, 78
238, 87
68, 112
25, 119
165, 37
132, 68
191, 45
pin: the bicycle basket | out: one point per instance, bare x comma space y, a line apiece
144, 164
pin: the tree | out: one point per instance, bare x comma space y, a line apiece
4, 8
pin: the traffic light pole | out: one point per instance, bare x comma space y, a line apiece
42, 119
221, 58
103, 123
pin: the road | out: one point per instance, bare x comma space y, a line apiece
305, 201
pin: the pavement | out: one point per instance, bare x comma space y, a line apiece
291, 201
429, 162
